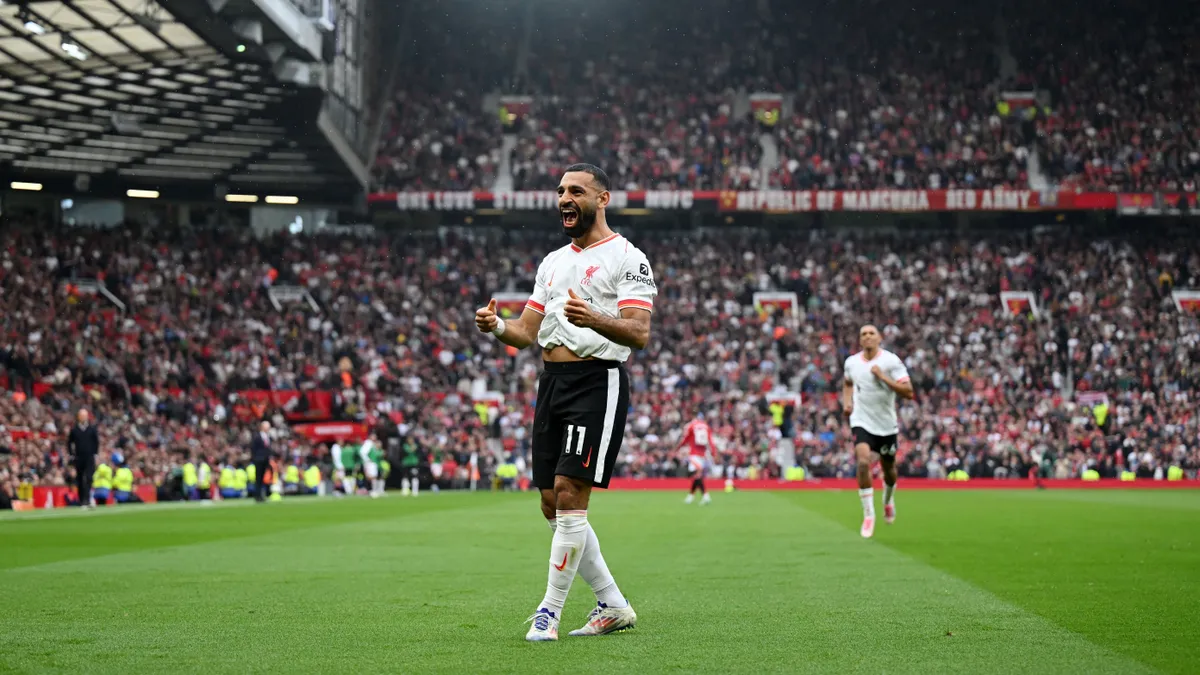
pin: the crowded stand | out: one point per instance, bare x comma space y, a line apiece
941, 98
1124, 102
388, 335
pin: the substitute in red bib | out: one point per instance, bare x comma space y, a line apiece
873, 379
590, 307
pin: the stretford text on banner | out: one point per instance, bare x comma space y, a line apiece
768, 201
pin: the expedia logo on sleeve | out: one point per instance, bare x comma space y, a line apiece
642, 277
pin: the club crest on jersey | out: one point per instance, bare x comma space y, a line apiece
587, 275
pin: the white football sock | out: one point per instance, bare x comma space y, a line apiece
594, 570
404, 485
868, 502
566, 550
889, 493
416, 486
348, 485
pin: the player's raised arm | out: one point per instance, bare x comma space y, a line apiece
520, 332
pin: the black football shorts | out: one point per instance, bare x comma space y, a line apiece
579, 421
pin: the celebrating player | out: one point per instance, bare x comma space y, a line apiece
591, 304
697, 437
874, 377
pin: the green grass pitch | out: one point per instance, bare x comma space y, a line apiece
1056, 581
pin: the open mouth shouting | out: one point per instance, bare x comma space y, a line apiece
569, 214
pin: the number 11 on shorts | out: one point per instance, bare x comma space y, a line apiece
579, 433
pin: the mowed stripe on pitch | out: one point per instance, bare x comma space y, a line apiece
917, 618
320, 596
31, 540
1103, 567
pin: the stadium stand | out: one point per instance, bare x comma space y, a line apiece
944, 97
997, 395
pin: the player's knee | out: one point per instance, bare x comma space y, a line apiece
570, 494
549, 503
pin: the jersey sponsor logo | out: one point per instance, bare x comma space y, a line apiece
641, 279
643, 269
587, 275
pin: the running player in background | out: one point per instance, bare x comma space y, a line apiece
345, 461
698, 439
873, 379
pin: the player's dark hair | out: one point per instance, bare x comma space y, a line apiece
597, 173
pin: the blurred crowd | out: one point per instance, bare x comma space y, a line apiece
391, 336
879, 95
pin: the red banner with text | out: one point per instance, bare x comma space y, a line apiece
766, 201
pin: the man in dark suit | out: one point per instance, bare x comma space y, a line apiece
83, 444
260, 454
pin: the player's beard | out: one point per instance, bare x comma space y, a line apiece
584, 222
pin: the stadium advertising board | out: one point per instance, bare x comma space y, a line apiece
766, 201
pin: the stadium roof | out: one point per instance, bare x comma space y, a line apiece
121, 89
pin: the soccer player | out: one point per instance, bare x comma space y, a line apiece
591, 306
697, 437
345, 461
873, 379
372, 454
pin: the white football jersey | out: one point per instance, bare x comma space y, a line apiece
611, 274
874, 401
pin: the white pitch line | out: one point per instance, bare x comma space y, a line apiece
76, 512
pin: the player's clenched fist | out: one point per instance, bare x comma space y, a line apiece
486, 319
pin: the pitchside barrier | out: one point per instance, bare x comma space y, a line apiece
55, 497
682, 484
